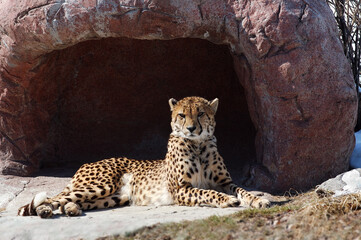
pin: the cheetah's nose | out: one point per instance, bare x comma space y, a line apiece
191, 129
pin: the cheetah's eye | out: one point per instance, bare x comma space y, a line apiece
181, 115
200, 114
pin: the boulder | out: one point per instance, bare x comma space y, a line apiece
345, 183
80, 80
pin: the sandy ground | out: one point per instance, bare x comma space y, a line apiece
17, 191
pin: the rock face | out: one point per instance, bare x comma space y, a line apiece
79, 82
344, 183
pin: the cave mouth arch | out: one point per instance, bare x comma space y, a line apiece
109, 98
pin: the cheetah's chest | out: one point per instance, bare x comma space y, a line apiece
198, 178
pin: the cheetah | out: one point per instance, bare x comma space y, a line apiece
192, 174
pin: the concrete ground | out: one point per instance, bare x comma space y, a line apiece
18, 191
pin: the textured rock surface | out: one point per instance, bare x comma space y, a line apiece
286, 54
344, 183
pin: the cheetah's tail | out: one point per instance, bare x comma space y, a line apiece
29, 209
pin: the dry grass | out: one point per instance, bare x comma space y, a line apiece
306, 216
334, 205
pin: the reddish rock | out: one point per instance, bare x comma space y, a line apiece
79, 82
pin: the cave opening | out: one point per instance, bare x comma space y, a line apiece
109, 98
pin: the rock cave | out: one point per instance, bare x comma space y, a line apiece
86, 80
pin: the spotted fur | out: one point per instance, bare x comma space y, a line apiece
192, 173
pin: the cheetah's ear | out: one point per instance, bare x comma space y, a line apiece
214, 104
172, 103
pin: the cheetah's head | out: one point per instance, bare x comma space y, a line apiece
193, 117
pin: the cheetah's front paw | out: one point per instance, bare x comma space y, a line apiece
261, 203
44, 211
230, 202
72, 209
